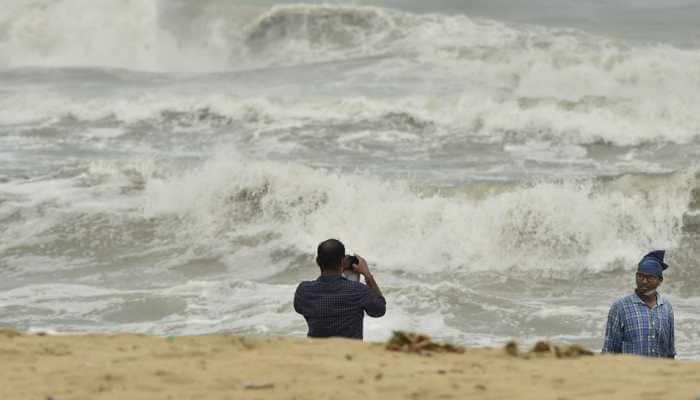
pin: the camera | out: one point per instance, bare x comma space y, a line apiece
350, 274
353, 259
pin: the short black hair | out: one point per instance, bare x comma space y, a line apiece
329, 254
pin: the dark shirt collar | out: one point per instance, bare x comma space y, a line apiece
330, 278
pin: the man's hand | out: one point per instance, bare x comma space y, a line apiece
362, 267
363, 270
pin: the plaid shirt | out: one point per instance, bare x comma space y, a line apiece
335, 306
634, 328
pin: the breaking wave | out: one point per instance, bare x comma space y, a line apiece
229, 205
567, 226
499, 82
435, 119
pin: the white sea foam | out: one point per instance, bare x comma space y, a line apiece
39, 293
50, 33
566, 227
471, 78
111, 33
628, 122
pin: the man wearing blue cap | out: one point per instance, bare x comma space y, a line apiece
642, 323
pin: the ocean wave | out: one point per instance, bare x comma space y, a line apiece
568, 227
588, 120
318, 29
219, 36
493, 82
237, 212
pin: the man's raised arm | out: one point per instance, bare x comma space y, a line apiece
375, 305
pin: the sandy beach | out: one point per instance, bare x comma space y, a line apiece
233, 367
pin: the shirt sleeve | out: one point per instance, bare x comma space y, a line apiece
374, 306
298, 300
672, 335
613, 331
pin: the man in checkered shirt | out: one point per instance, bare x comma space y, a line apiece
642, 323
333, 305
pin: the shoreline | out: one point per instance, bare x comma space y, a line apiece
135, 366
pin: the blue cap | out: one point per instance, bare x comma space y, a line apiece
653, 263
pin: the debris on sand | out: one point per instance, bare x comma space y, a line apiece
253, 386
541, 347
512, 348
410, 342
9, 333
571, 351
546, 348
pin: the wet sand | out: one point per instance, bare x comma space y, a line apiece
139, 367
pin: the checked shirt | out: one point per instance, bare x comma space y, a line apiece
634, 328
335, 306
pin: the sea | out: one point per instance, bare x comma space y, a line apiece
169, 167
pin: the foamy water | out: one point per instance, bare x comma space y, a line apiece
171, 167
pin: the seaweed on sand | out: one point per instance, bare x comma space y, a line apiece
410, 342
546, 348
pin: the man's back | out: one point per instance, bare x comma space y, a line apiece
335, 306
